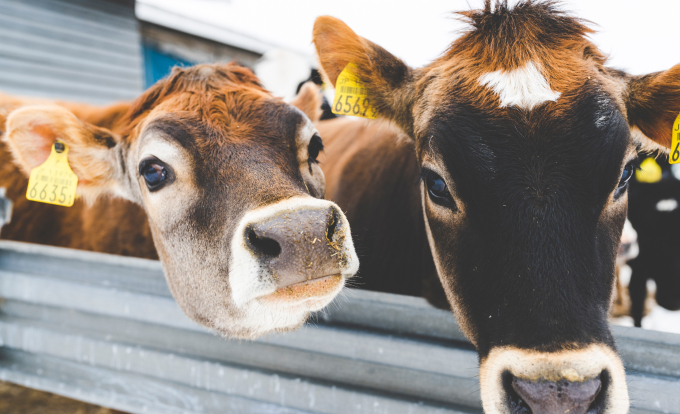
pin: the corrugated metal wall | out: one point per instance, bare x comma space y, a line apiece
77, 50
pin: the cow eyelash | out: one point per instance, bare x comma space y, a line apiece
437, 189
156, 173
631, 167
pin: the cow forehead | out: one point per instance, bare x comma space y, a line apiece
554, 142
585, 115
515, 58
213, 123
247, 148
498, 87
222, 96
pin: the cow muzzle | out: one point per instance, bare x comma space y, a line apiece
302, 253
590, 380
303, 250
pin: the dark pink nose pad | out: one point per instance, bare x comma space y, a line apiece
299, 245
560, 397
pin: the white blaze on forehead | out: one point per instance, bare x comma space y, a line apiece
524, 87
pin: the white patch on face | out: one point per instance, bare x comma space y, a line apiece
167, 205
305, 134
524, 87
314, 179
249, 280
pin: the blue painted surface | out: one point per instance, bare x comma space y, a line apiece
158, 65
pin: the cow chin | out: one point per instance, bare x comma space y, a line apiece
587, 380
281, 311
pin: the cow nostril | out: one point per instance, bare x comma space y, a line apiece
262, 245
598, 405
333, 223
516, 404
536, 397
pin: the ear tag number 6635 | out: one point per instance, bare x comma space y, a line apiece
53, 182
675, 142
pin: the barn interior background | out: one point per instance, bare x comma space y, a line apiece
105, 330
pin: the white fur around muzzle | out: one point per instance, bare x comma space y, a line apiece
249, 280
572, 365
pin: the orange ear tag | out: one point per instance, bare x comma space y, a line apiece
351, 96
53, 182
675, 142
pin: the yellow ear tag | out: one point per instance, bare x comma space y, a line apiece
649, 172
351, 96
53, 182
675, 142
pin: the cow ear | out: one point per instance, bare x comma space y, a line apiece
32, 130
388, 80
308, 100
653, 104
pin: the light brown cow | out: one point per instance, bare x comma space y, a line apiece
214, 172
524, 142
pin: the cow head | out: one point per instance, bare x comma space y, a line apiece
526, 142
229, 180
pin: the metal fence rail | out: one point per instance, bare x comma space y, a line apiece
104, 329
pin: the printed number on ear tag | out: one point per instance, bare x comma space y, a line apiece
675, 142
351, 96
53, 182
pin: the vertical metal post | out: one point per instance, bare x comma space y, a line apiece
5, 208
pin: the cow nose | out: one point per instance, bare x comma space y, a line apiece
299, 245
557, 397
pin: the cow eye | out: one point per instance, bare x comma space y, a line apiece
437, 189
627, 174
155, 174
314, 148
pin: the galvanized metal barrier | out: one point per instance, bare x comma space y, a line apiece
5, 208
104, 329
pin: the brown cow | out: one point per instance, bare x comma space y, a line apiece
229, 188
524, 142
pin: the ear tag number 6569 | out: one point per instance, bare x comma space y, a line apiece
351, 96
53, 182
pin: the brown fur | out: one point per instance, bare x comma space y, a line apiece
187, 173
308, 100
110, 225
388, 78
653, 103
385, 210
